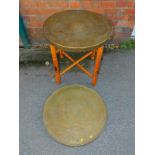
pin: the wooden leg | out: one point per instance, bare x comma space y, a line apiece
97, 64
93, 55
55, 64
61, 54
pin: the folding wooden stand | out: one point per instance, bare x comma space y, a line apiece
98, 52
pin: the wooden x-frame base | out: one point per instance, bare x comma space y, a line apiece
98, 52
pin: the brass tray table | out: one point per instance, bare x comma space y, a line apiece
77, 31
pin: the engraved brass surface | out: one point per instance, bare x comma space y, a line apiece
74, 115
77, 30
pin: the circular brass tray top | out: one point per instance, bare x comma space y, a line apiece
77, 30
74, 115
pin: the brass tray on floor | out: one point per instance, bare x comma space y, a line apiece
74, 115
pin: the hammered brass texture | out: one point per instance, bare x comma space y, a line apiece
77, 30
74, 115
